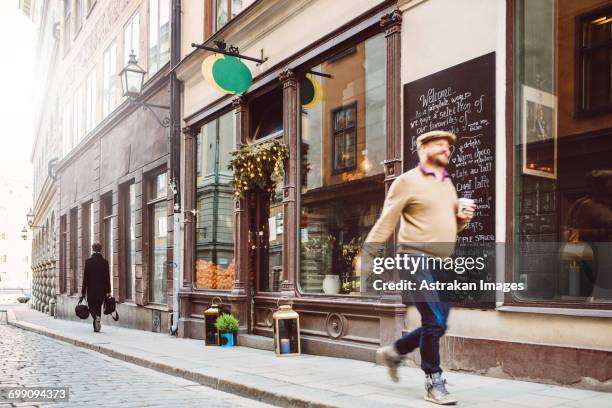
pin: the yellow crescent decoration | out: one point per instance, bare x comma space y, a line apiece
318, 92
207, 66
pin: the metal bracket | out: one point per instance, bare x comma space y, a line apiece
231, 51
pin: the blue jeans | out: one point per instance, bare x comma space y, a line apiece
434, 314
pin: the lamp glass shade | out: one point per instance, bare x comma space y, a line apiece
286, 331
211, 334
132, 78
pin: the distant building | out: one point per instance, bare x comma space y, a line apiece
15, 252
101, 161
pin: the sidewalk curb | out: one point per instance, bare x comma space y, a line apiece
221, 384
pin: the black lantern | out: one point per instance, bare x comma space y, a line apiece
30, 217
132, 78
286, 331
211, 334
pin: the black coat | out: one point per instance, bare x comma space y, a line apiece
96, 279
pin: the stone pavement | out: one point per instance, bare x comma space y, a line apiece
303, 381
32, 360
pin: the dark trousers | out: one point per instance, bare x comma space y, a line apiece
434, 314
95, 308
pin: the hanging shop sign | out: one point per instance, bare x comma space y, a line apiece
226, 73
311, 91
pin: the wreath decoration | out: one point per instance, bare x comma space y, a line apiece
259, 166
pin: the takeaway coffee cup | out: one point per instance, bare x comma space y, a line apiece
466, 203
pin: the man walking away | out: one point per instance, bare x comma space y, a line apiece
96, 284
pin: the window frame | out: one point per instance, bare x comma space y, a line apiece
136, 33
125, 222
106, 221
153, 69
86, 233
73, 252
334, 53
210, 16
151, 202
77, 116
344, 132
91, 96
512, 128
199, 172
63, 270
580, 111
79, 16
109, 100
67, 29
66, 130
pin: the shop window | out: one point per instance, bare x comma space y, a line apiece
343, 145
595, 62
267, 115
214, 223
128, 198
158, 241
87, 230
63, 254
74, 216
108, 247
563, 180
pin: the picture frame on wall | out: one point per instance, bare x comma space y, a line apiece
539, 133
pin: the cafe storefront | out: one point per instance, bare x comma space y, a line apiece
335, 106
345, 94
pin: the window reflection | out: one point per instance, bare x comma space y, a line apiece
214, 226
564, 186
342, 148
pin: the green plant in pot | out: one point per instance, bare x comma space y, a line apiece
227, 325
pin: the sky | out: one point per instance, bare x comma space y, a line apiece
17, 47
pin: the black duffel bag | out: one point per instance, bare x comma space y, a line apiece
81, 311
110, 306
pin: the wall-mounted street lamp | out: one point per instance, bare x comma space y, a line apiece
30, 218
132, 80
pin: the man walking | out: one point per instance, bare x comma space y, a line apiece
96, 284
425, 202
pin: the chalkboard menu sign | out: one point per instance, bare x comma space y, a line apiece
460, 99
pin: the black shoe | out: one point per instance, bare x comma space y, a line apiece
97, 324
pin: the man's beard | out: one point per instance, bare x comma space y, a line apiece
440, 160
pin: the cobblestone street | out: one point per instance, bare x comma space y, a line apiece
29, 359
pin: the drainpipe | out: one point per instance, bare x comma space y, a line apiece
175, 160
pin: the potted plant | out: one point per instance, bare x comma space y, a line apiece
227, 325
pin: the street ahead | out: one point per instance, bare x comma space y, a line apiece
32, 360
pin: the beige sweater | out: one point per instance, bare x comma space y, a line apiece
427, 209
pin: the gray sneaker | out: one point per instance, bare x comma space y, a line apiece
390, 358
436, 392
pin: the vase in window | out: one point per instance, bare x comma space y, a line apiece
331, 284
